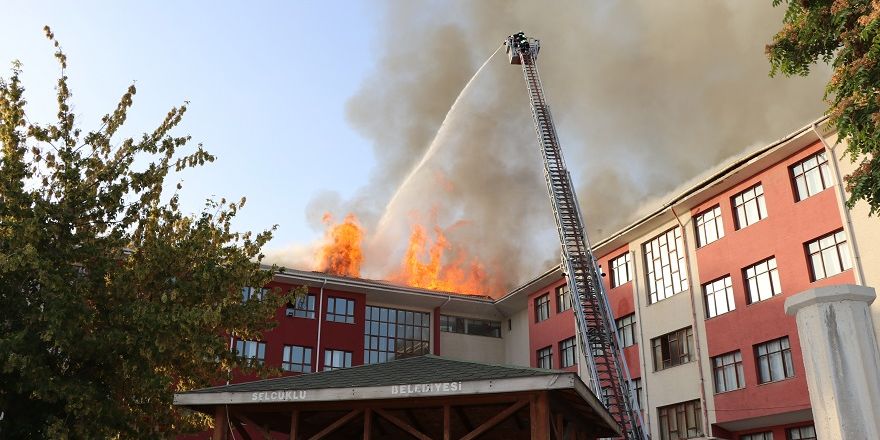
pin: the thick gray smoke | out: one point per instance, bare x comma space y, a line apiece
645, 95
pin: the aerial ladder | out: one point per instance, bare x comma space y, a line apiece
609, 375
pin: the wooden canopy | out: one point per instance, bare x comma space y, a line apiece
426, 397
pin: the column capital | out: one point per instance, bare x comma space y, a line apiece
828, 294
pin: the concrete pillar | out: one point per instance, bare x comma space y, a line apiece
841, 359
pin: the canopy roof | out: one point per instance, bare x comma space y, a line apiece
418, 382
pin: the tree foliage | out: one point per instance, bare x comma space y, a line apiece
845, 34
111, 298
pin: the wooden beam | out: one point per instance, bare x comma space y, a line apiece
519, 423
244, 434
468, 426
540, 416
294, 425
402, 425
368, 423
413, 420
220, 423
496, 419
263, 432
336, 425
447, 428
557, 427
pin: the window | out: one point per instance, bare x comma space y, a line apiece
254, 351
563, 298
470, 326
709, 226
728, 371
626, 330
340, 310
542, 308
567, 356
665, 265
774, 360
682, 420
762, 280
545, 358
768, 435
673, 348
249, 293
802, 433
829, 255
336, 359
303, 307
621, 270
811, 175
749, 206
719, 297
635, 388
607, 396
394, 334
296, 358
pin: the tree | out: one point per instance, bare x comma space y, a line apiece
845, 34
111, 298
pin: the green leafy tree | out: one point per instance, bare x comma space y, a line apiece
111, 298
845, 33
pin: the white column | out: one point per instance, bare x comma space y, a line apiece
841, 359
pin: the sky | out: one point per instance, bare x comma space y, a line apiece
326, 106
267, 84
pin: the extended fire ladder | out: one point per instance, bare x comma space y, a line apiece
609, 375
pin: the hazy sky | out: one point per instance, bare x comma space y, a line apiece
267, 84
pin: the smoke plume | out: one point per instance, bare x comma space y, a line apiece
645, 95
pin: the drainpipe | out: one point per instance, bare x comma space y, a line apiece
848, 230
692, 289
320, 314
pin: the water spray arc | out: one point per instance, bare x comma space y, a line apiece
433, 146
609, 375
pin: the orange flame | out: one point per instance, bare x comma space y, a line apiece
423, 266
341, 253
429, 263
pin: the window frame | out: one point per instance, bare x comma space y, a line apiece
348, 314
626, 325
702, 222
242, 350
329, 353
723, 291
841, 253
668, 246
542, 308
464, 325
392, 333
543, 354
248, 293
567, 352
688, 411
800, 434
800, 176
636, 389
306, 310
723, 364
621, 263
678, 351
763, 435
760, 206
287, 360
785, 360
563, 298
754, 292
